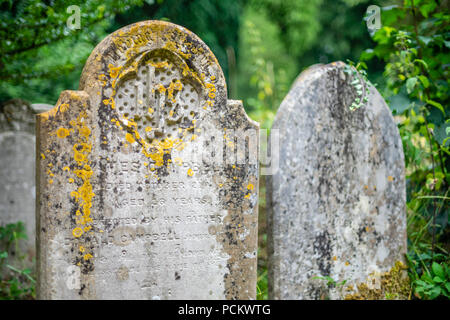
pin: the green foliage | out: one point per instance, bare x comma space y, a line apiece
39, 55
360, 83
216, 22
15, 283
431, 279
262, 285
331, 282
414, 42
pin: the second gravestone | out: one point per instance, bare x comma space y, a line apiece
338, 199
141, 194
17, 174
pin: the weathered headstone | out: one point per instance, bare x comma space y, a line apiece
338, 199
17, 173
126, 209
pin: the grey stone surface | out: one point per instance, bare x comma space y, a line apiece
338, 199
17, 173
41, 107
126, 209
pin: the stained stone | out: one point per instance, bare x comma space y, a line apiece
337, 201
17, 173
143, 190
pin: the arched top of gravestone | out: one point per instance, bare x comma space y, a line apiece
17, 115
119, 55
168, 59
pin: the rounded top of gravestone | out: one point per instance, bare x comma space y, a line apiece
120, 54
16, 115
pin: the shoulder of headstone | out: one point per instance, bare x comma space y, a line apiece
239, 116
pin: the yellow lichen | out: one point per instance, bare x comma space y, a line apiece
129, 138
83, 171
87, 256
62, 133
77, 232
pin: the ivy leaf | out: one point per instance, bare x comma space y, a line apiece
425, 40
425, 9
442, 133
410, 84
435, 104
437, 279
438, 270
399, 103
424, 81
422, 62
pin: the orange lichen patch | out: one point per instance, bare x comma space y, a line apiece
177, 85
347, 263
83, 171
154, 150
161, 88
87, 256
190, 172
77, 232
390, 178
64, 107
62, 133
159, 65
102, 79
113, 71
334, 258
129, 138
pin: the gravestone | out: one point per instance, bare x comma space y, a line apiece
337, 201
146, 189
17, 173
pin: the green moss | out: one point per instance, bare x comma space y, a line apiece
394, 284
